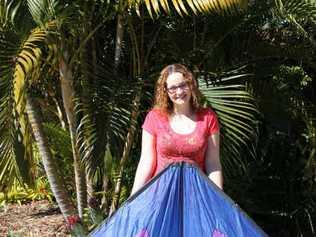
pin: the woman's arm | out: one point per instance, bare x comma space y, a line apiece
147, 161
212, 163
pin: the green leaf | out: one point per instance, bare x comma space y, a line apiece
236, 111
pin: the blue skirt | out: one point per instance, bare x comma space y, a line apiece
181, 201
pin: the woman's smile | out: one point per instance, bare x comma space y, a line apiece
181, 97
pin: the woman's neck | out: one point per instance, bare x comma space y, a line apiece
182, 110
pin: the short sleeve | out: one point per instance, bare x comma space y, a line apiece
149, 123
213, 124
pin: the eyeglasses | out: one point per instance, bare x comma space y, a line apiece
182, 86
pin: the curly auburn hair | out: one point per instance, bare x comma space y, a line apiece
162, 100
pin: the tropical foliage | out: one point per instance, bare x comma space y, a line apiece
77, 77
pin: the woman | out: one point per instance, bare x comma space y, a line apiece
178, 129
181, 200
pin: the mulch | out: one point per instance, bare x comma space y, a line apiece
39, 218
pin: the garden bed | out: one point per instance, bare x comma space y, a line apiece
39, 218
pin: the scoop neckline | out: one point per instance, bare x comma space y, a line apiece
185, 134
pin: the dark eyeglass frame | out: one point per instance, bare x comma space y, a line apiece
173, 89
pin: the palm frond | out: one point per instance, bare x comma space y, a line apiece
42, 11
9, 169
299, 9
298, 12
8, 11
182, 6
108, 125
236, 110
27, 60
15, 157
18, 64
103, 110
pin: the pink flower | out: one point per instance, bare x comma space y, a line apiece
217, 233
72, 221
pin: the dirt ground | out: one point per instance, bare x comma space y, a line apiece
39, 218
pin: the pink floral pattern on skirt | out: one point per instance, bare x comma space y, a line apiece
217, 233
142, 233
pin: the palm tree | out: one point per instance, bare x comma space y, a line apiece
28, 55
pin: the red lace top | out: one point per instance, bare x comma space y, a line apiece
172, 146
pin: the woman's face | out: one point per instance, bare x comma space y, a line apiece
178, 89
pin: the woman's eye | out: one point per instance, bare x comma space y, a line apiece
182, 86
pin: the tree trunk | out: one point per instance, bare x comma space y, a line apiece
55, 180
104, 201
60, 114
119, 39
90, 189
67, 89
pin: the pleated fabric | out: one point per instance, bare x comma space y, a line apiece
181, 201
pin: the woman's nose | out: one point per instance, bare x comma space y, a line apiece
179, 90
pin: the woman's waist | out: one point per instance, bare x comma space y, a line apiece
163, 162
